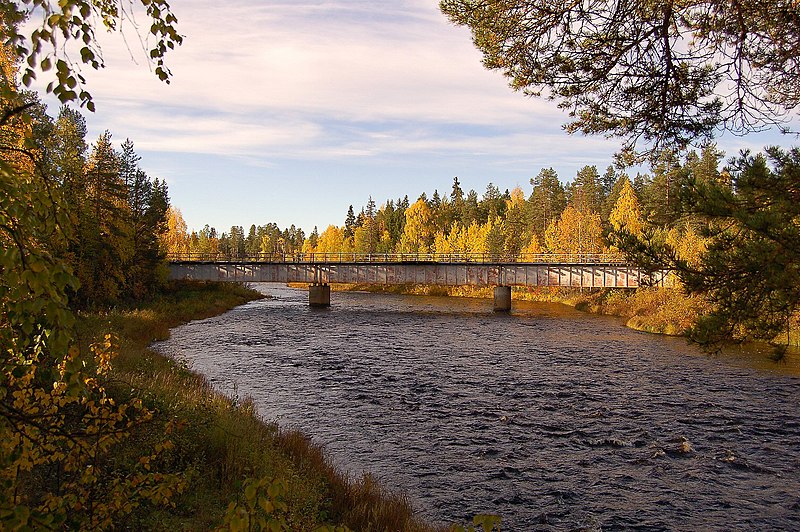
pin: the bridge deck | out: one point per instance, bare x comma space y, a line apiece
584, 275
404, 258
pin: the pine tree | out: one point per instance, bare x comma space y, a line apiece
371, 226
436, 200
706, 165
295, 238
208, 242
749, 222
103, 246
349, 223
457, 204
310, 244
516, 230
751, 269
251, 243
585, 192
148, 202
662, 74
547, 201
607, 181
471, 210
457, 194
236, 246
495, 239
67, 153
492, 204
370, 210
659, 196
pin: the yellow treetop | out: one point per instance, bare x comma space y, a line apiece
331, 240
626, 214
575, 232
517, 199
419, 231
689, 245
176, 239
533, 247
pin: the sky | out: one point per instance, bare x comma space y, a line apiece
289, 112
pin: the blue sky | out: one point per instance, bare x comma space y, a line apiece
288, 112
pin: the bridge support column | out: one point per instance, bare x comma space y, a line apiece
319, 295
502, 298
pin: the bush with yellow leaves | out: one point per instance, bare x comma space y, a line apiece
57, 423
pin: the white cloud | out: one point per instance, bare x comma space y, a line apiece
296, 67
209, 133
291, 96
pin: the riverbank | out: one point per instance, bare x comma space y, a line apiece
655, 310
475, 413
219, 443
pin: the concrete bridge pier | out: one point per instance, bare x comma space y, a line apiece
319, 295
502, 298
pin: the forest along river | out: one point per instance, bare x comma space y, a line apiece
552, 418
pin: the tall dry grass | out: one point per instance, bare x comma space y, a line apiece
219, 442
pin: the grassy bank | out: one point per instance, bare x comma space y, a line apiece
219, 443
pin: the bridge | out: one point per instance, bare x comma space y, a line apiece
320, 270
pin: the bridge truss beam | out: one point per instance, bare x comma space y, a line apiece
453, 274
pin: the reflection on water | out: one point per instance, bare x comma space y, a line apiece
763, 358
555, 419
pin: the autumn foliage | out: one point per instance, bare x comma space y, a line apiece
77, 229
553, 218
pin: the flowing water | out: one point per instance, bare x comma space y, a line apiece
554, 419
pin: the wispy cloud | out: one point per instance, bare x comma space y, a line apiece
281, 65
336, 97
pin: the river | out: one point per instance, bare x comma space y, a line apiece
552, 418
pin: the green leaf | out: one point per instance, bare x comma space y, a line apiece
86, 54
250, 492
265, 505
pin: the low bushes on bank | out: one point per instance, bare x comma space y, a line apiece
655, 309
220, 445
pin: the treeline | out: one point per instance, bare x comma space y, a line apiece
262, 239
586, 215
111, 214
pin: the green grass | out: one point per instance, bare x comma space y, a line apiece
221, 442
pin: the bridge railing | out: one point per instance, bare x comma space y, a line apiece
367, 258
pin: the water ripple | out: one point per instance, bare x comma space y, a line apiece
554, 419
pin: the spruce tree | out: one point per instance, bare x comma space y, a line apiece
349, 222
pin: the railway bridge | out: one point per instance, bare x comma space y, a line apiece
320, 270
